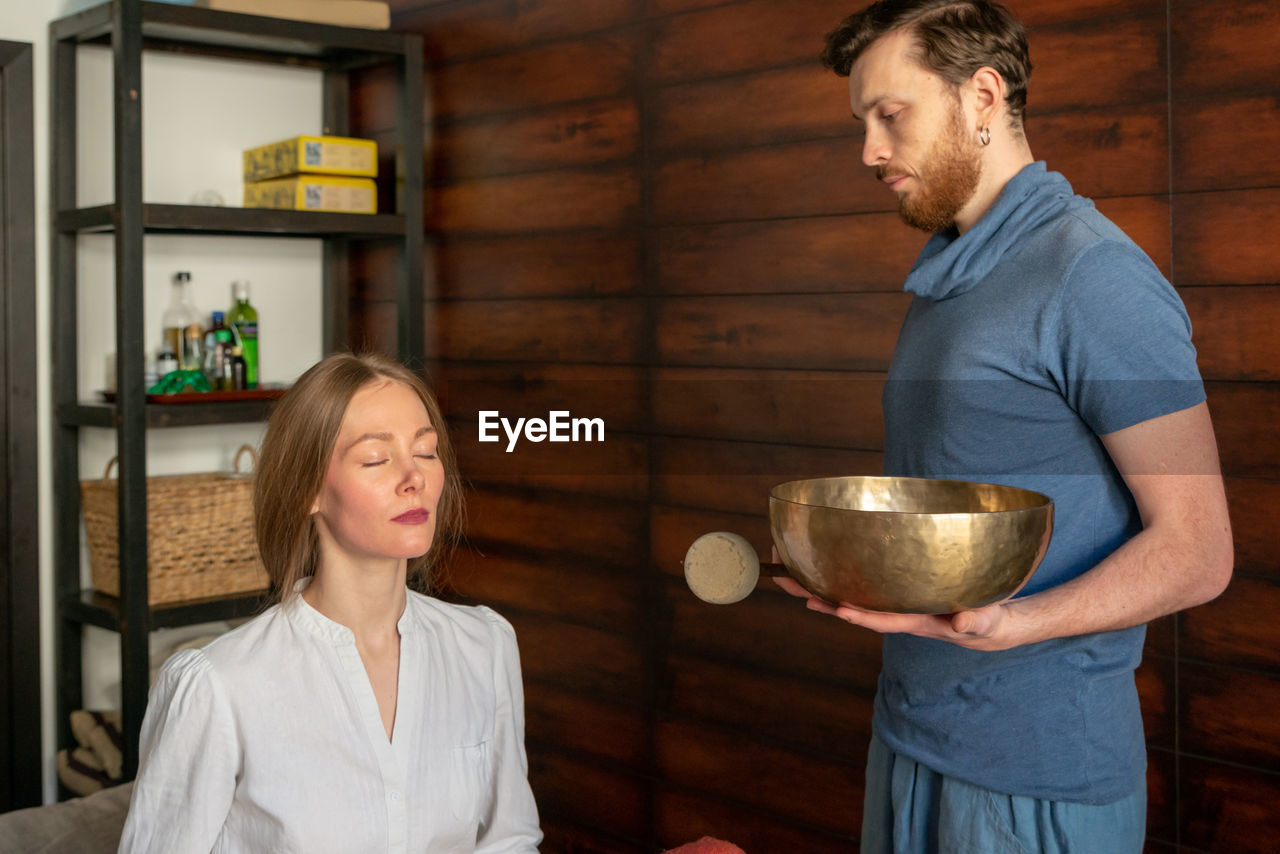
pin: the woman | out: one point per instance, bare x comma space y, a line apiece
354, 715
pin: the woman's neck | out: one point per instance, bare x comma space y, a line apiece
367, 600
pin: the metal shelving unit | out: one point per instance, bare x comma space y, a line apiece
131, 27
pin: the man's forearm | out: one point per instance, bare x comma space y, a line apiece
1173, 564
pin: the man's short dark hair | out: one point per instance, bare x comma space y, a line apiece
954, 38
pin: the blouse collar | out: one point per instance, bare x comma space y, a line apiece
302, 613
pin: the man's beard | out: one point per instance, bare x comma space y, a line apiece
947, 180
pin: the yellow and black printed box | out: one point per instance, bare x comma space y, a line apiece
317, 155
314, 193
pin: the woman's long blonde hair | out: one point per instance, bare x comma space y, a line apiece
295, 455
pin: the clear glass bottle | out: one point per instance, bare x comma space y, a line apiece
243, 319
179, 317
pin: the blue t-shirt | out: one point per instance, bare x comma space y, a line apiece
1031, 335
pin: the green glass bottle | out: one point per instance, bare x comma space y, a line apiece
243, 320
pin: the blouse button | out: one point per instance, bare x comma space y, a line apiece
395, 797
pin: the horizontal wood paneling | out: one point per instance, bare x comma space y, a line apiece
579, 330
1162, 796
1108, 152
779, 105
1161, 636
372, 327
1244, 418
1038, 13
579, 659
814, 789
614, 466
590, 796
1226, 808
812, 716
798, 643
1235, 331
615, 393
793, 407
561, 587
853, 332
562, 836
490, 26
1239, 627
373, 100
737, 476
591, 263
372, 270
1255, 518
1226, 238
655, 8
741, 37
865, 252
684, 817
575, 525
1155, 680
545, 201
1131, 48
1205, 157
767, 183
1230, 714
591, 726
557, 73
1221, 46
594, 132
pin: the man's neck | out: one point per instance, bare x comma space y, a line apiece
1006, 158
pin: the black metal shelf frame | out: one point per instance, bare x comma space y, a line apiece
91, 608
87, 414
129, 27
195, 219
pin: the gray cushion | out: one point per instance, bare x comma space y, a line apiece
87, 825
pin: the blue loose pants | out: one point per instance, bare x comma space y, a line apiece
910, 809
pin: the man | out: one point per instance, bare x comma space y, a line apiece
1042, 350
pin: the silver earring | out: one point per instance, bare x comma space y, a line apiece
984, 136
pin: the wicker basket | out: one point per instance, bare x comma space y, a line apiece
200, 538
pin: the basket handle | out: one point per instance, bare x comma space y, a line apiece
253, 455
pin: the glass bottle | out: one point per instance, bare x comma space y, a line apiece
243, 319
179, 317
239, 374
217, 352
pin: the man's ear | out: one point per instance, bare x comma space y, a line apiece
987, 88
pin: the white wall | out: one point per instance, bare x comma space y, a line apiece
198, 115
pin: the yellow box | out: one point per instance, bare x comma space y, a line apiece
314, 193
317, 155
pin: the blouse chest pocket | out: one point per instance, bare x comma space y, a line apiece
468, 785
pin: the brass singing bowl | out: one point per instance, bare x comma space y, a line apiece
909, 545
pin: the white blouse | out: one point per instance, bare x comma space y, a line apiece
269, 739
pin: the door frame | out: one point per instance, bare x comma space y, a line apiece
20, 708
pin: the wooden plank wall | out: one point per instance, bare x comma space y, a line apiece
653, 212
